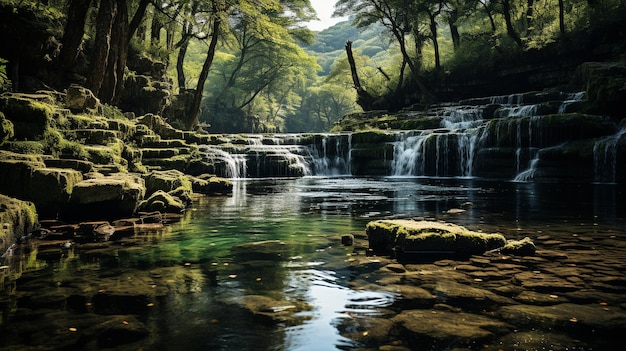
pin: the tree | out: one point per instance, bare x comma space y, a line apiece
73, 33
102, 44
394, 15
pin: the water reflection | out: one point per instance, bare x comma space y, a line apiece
188, 283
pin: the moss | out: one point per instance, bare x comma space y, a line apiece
24, 147
105, 155
373, 136
7, 130
524, 247
79, 121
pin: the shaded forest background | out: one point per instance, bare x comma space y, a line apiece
253, 66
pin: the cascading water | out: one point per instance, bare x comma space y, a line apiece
281, 155
440, 153
605, 157
331, 155
499, 137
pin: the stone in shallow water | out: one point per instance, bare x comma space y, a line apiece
420, 238
592, 319
438, 328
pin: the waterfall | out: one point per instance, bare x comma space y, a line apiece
571, 99
408, 154
226, 164
605, 157
331, 156
529, 174
281, 155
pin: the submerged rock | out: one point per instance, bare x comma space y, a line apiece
439, 328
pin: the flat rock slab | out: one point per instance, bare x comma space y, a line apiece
443, 327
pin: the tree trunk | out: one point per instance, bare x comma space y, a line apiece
364, 99
73, 33
506, 9
454, 32
426, 95
529, 16
114, 79
180, 67
98, 64
491, 20
194, 111
561, 17
155, 29
139, 15
433, 33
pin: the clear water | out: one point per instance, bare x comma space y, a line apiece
193, 281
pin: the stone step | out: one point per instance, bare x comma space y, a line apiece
164, 152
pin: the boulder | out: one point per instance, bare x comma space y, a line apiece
162, 202
80, 99
428, 239
17, 218
30, 118
167, 181
50, 189
6, 129
115, 196
210, 184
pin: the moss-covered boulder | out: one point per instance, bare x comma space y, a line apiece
167, 181
425, 239
15, 173
30, 118
80, 99
162, 202
115, 196
17, 218
50, 189
210, 184
6, 129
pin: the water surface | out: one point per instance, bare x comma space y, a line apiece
198, 281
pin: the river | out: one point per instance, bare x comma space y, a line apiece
198, 280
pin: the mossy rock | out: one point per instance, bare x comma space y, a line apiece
372, 137
17, 218
605, 84
50, 188
167, 181
15, 176
6, 129
210, 184
162, 202
30, 118
418, 238
524, 247
115, 196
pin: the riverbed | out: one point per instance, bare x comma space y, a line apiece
189, 286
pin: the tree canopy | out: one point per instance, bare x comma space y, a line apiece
253, 66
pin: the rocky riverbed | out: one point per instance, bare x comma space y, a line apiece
567, 295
